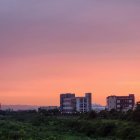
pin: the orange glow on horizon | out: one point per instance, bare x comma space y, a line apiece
37, 82
48, 48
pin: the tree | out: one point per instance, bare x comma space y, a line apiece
92, 115
136, 113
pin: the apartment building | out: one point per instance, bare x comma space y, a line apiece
70, 104
121, 103
83, 104
67, 103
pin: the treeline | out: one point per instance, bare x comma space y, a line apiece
53, 125
41, 127
130, 115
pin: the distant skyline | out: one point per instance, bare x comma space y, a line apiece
78, 46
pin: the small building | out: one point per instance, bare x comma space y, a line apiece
121, 103
48, 108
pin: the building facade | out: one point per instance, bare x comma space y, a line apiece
83, 104
70, 104
67, 103
121, 103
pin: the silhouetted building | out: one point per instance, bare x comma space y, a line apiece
69, 103
83, 104
47, 108
121, 103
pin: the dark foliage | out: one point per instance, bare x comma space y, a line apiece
52, 125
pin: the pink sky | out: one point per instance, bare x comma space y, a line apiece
48, 48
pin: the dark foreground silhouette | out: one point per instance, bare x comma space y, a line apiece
52, 125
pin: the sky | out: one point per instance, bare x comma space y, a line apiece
52, 47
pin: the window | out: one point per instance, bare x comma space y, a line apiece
130, 101
118, 101
118, 105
